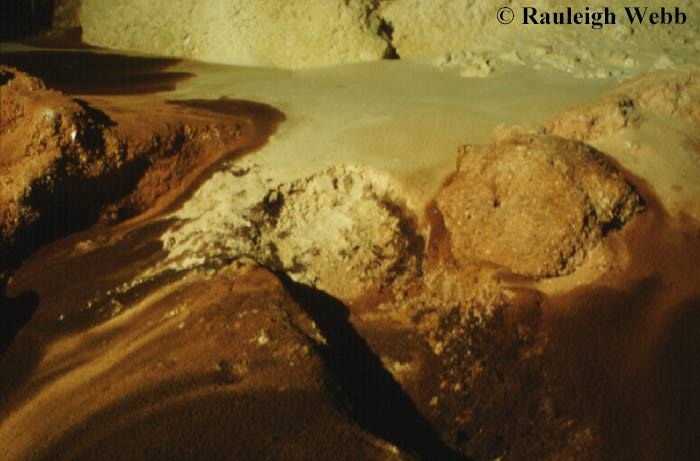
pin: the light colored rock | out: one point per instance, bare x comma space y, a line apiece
674, 93
300, 34
425, 30
291, 34
342, 230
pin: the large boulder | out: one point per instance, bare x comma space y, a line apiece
535, 204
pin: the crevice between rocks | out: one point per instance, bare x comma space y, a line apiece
377, 402
379, 25
386, 32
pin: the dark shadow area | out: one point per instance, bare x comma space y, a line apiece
60, 38
17, 362
628, 361
594, 334
14, 314
84, 72
233, 107
159, 424
22, 18
676, 378
386, 32
95, 115
377, 401
5, 77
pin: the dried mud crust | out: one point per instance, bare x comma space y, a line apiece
673, 93
535, 204
343, 230
64, 164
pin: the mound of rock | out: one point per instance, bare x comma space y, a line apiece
673, 93
342, 230
535, 204
51, 147
65, 164
338, 230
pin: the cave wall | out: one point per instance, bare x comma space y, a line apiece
299, 34
291, 34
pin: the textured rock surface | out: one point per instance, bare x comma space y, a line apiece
462, 34
48, 141
533, 203
341, 230
292, 34
65, 164
651, 125
674, 93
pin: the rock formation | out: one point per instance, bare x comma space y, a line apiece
67, 164
185, 277
303, 34
533, 204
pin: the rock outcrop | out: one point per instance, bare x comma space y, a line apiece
65, 164
465, 34
535, 204
672, 93
342, 230
291, 34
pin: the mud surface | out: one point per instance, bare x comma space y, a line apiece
633, 340
544, 306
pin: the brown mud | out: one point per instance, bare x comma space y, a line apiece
607, 370
618, 360
200, 389
624, 350
106, 255
134, 156
238, 362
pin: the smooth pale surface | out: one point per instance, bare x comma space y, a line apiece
401, 117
